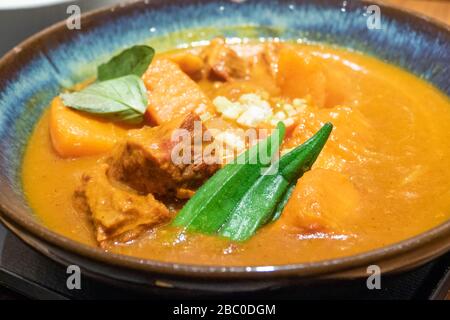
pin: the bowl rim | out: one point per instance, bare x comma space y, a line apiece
32, 227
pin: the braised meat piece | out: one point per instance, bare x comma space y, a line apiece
117, 213
223, 62
151, 160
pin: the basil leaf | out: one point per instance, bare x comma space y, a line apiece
134, 60
120, 99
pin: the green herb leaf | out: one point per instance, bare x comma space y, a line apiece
134, 60
120, 99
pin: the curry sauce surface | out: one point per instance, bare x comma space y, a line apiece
392, 145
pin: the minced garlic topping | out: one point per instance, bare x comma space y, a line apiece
251, 110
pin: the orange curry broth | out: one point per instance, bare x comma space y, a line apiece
383, 176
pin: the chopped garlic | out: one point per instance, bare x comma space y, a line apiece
251, 99
205, 116
277, 117
251, 110
254, 115
299, 104
289, 109
228, 109
288, 122
280, 115
200, 109
231, 140
256, 111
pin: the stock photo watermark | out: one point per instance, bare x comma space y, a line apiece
373, 14
73, 22
373, 282
73, 281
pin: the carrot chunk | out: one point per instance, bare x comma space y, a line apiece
300, 75
172, 93
315, 206
75, 134
303, 75
191, 64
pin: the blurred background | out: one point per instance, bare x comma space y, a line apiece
22, 18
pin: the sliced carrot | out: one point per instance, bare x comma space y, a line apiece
315, 206
300, 75
75, 134
171, 92
190, 63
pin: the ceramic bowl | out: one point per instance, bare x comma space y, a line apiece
35, 71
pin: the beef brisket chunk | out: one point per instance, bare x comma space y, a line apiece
116, 212
146, 163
